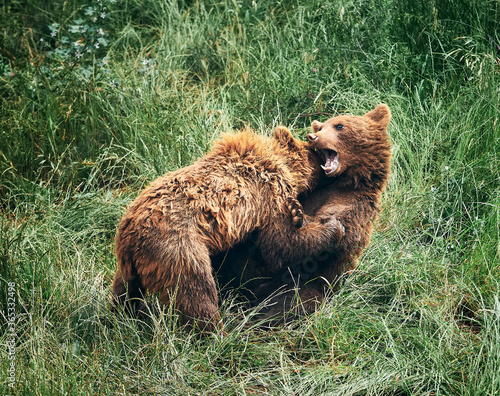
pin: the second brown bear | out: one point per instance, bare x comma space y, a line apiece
355, 153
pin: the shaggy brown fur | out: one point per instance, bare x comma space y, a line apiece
355, 152
165, 239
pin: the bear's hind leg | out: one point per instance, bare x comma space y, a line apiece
195, 291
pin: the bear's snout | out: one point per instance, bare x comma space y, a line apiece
312, 137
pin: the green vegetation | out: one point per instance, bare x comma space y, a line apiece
99, 97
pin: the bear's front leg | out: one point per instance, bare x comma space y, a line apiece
281, 244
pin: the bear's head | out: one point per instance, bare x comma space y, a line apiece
354, 149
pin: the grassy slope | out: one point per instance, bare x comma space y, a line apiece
81, 134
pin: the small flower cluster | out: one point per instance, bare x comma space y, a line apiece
80, 46
147, 66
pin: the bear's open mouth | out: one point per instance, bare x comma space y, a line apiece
331, 159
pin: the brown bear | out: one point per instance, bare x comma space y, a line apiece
245, 183
355, 153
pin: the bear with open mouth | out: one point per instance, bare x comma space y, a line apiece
355, 154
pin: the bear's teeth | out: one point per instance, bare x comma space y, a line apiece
331, 166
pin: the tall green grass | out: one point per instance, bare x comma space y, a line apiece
148, 87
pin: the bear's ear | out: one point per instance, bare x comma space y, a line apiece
285, 138
316, 126
283, 135
381, 114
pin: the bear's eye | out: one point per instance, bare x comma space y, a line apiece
339, 127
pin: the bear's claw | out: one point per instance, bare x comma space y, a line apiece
295, 209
